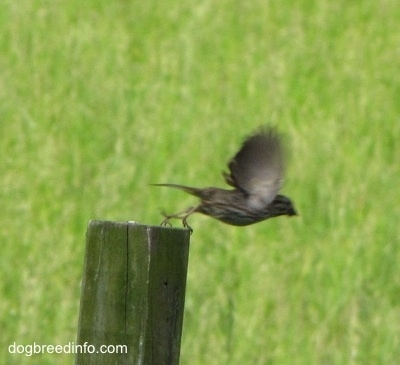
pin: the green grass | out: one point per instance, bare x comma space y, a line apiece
98, 99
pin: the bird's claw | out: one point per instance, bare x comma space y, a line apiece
166, 222
186, 225
181, 215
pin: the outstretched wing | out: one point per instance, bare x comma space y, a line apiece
257, 169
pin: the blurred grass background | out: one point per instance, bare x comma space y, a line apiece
100, 98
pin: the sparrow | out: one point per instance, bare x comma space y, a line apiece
255, 174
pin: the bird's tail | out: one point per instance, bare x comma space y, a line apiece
188, 189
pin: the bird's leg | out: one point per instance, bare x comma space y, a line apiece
190, 211
168, 217
165, 222
180, 215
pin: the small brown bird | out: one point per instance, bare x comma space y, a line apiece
255, 173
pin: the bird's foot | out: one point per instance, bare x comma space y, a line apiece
166, 222
181, 215
186, 225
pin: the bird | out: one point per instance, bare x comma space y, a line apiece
255, 174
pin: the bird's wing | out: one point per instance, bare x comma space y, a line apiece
257, 169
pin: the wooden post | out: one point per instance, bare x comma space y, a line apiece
132, 296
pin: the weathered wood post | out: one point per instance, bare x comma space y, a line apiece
132, 296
